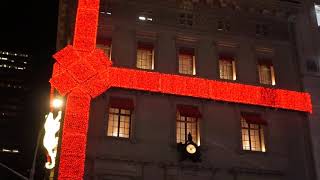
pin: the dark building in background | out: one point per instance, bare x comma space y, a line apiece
134, 134
15, 69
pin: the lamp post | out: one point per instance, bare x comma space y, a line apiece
31, 177
13, 171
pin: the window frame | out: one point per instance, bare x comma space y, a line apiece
198, 139
262, 30
152, 53
273, 81
223, 25
193, 63
185, 20
240, 137
119, 114
185, 124
233, 65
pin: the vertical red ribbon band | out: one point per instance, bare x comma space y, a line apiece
75, 124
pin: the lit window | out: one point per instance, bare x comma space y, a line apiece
266, 73
252, 132
106, 46
317, 9
145, 56
187, 61
187, 122
227, 68
119, 121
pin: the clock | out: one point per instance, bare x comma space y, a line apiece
191, 149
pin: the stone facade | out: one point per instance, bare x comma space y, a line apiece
150, 152
308, 45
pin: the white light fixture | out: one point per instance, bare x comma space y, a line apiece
149, 19
317, 9
6, 150
57, 103
142, 18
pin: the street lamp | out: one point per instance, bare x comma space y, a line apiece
57, 103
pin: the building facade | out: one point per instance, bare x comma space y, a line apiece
14, 69
135, 134
308, 43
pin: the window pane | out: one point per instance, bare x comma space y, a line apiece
124, 111
185, 19
244, 123
265, 74
226, 69
245, 139
145, 59
114, 110
255, 140
263, 146
186, 64
118, 124
252, 136
184, 126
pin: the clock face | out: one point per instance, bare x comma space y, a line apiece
191, 149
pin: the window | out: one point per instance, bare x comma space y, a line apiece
105, 8
186, 5
106, 46
252, 132
266, 72
227, 67
146, 16
119, 121
312, 65
145, 56
262, 30
223, 25
185, 19
186, 61
187, 122
317, 9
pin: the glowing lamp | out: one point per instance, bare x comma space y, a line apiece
57, 103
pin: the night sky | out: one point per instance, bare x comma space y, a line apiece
31, 27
